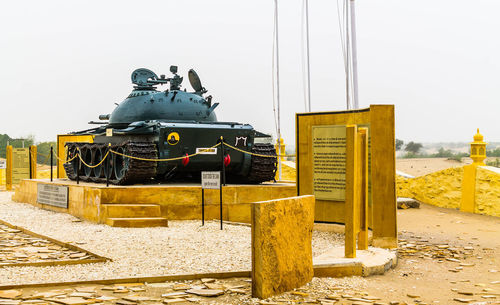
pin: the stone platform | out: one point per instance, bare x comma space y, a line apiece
154, 204
374, 261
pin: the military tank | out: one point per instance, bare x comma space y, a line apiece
171, 124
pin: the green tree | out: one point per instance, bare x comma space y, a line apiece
16, 143
43, 152
399, 144
413, 147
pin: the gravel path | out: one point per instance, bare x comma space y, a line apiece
183, 247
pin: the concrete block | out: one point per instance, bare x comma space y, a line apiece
281, 245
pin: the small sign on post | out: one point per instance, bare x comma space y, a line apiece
3, 164
210, 181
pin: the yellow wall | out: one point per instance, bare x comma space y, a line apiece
444, 189
487, 192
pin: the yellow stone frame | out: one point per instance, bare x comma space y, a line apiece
382, 211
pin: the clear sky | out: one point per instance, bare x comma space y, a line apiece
65, 62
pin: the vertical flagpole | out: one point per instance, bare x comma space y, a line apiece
348, 59
354, 57
278, 84
307, 58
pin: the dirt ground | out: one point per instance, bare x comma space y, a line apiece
423, 166
430, 278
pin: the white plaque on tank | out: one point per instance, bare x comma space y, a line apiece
206, 151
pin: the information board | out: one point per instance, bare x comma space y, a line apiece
210, 180
329, 157
3, 164
55, 195
328, 153
318, 158
20, 164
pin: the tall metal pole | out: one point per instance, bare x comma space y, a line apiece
278, 84
354, 57
307, 58
348, 60
51, 163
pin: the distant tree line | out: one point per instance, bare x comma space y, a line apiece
43, 148
413, 151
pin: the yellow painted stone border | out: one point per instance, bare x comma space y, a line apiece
98, 259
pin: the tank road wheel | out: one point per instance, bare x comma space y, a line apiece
120, 163
87, 157
263, 169
96, 158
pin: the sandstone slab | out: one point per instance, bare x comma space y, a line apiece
281, 245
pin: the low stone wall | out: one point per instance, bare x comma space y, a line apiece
281, 245
177, 202
444, 189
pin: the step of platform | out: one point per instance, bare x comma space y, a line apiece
131, 210
137, 222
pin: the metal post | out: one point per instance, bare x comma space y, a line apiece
222, 159
278, 83
107, 167
307, 58
78, 170
51, 164
354, 58
220, 200
202, 206
348, 61
29, 157
223, 177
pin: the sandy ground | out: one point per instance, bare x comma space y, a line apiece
418, 279
423, 166
431, 279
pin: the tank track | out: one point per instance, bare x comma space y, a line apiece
123, 170
263, 169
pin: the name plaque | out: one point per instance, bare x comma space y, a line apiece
54, 195
20, 164
329, 157
329, 161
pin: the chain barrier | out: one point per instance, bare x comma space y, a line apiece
38, 166
168, 159
65, 161
254, 154
91, 166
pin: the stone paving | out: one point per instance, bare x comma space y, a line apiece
204, 291
18, 248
